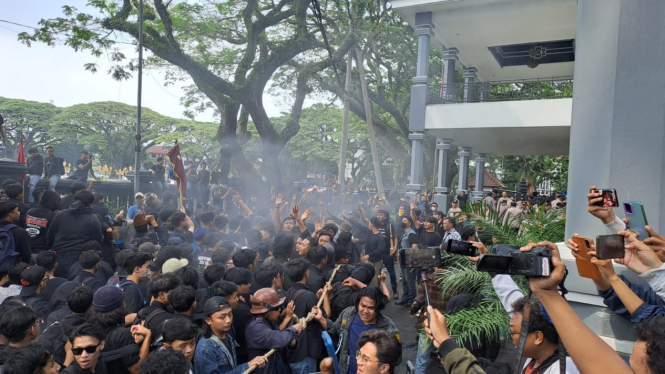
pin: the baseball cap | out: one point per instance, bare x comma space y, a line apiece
214, 305
173, 264
149, 248
174, 241
199, 233
32, 276
139, 194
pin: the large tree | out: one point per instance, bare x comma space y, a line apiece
230, 49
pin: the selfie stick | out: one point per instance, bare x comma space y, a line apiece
424, 280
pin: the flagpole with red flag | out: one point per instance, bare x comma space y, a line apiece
177, 171
21, 155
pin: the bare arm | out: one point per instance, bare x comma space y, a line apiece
276, 213
414, 216
384, 287
362, 215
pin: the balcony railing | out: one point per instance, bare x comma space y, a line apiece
551, 88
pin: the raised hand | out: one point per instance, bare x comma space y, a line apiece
305, 215
656, 242
639, 257
279, 201
604, 213
318, 226
295, 213
290, 310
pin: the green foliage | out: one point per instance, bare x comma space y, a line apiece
458, 275
535, 169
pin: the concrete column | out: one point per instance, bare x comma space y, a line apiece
463, 182
469, 76
618, 117
419, 92
480, 176
485, 89
441, 197
449, 60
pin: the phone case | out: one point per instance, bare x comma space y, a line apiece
607, 250
638, 220
584, 266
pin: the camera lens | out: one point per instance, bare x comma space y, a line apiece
628, 208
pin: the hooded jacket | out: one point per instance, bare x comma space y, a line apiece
73, 227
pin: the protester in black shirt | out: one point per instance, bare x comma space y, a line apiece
38, 220
310, 343
184, 227
427, 237
90, 262
20, 326
159, 171
32, 358
48, 260
204, 183
83, 167
160, 286
53, 168
242, 312
68, 200
87, 342
375, 247
318, 257
35, 165
9, 215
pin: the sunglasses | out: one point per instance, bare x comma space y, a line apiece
89, 349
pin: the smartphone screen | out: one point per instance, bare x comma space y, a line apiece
609, 247
610, 198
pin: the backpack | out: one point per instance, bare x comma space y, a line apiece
135, 243
122, 286
120, 352
58, 339
8, 252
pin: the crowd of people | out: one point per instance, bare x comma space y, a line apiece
234, 283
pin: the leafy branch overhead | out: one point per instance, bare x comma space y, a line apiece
229, 49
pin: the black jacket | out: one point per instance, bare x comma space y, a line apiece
53, 166
73, 227
309, 343
35, 165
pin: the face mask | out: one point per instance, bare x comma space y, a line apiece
433, 209
403, 224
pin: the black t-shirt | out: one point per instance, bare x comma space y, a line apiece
203, 259
117, 338
413, 239
204, 178
82, 171
428, 239
91, 281
159, 172
215, 177
134, 298
241, 317
74, 368
227, 344
37, 222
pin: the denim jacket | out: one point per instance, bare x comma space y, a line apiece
212, 357
652, 306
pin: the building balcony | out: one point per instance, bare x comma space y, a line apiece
504, 118
536, 89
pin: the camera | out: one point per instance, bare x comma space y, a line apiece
460, 248
509, 260
424, 257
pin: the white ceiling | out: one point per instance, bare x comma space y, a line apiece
474, 25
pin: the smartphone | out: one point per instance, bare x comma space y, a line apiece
461, 248
609, 247
122, 212
637, 218
609, 196
583, 261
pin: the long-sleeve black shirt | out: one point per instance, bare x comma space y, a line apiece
35, 165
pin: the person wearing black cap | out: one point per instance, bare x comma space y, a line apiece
263, 334
216, 352
33, 279
35, 165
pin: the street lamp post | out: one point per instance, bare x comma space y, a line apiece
137, 163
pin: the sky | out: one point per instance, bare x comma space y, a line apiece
56, 74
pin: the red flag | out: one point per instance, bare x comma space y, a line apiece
21, 156
177, 169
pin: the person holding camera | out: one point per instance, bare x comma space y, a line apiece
83, 167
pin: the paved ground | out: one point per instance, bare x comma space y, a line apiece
407, 328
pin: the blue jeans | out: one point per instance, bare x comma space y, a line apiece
34, 179
409, 285
53, 181
425, 349
306, 366
390, 266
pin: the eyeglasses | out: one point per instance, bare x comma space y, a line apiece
37, 322
89, 349
364, 359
